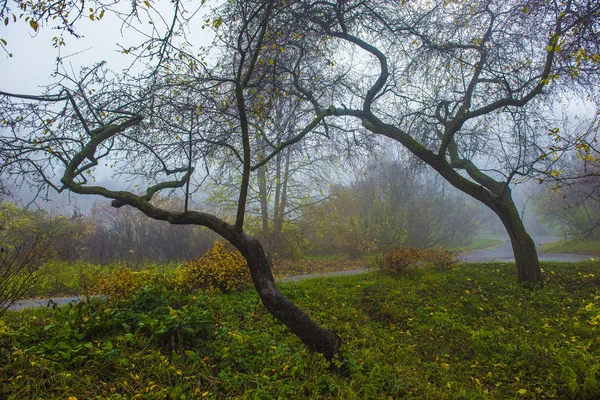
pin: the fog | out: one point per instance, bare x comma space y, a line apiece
34, 61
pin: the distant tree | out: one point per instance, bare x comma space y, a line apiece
71, 234
569, 192
127, 235
4, 192
284, 185
570, 200
390, 204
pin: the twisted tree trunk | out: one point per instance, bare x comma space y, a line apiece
312, 335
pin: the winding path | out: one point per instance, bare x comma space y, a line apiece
502, 253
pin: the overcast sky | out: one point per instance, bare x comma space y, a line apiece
34, 61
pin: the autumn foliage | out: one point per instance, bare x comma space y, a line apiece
221, 269
400, 259
121, 283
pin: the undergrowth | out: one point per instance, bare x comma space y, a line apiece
402, 259
467, 333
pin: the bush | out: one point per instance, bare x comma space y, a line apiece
441, 258
221, 269
399, 260
121, 283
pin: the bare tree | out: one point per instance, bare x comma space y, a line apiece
451, 81
457, 82
163, 131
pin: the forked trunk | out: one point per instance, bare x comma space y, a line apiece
312, 335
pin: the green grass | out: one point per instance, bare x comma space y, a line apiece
468, 333
283, 268
578, 246
68, 278
479, 243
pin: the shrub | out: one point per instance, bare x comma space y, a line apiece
399, 260
441, 258
221, 269
121, 283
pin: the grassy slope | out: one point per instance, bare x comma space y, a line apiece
467, 333
577, 246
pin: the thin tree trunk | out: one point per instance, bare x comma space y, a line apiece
279, 213
264, 201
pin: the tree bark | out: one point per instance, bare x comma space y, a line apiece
526, 259
310, 333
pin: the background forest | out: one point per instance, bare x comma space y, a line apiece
381, 206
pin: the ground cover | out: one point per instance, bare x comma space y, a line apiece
69, 278
470, 332
577, 246
285, 268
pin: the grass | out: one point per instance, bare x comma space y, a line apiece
467, 333
67, 278
577, 246
283, 268
479, 243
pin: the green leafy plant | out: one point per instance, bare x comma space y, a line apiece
165, 321
469, 332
